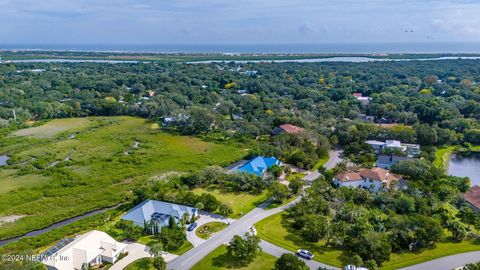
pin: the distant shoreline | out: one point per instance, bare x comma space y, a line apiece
365, 48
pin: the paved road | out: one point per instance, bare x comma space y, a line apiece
239, 227
447, 263
278, 251
334, 159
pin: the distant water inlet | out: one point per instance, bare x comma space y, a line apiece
465, 165
3, 160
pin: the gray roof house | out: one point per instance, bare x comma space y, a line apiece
386, 162
158, 212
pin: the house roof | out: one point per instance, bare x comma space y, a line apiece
84, 249
393, 143
377, 174
348, 176
374, 142
158, 211
259, 165
473, 196
287, 128
357, 95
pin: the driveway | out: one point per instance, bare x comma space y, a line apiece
447, 263
205, 217
335, 157
239, 227
137, 251
278, 251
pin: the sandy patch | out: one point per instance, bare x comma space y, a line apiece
9, 219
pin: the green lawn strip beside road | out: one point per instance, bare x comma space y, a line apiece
399, 260
58, 176
293, 176
150, 240
207, 230
320, 163
240, 202
274, 229
219, 260
142, 264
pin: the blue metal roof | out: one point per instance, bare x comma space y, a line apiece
157, 211
259, 165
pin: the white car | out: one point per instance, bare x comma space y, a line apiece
350, 267
305, 254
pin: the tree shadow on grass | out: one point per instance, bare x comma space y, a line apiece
227, 261
318, 247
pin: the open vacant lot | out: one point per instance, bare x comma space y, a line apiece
71, 166
275, 229
240, 202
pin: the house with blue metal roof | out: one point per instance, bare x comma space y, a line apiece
156, 214
258, 165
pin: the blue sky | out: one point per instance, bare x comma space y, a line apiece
238, 21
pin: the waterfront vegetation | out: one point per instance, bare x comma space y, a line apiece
95, 164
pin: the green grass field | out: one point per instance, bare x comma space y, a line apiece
275, 229
240, 202
219, 260
53, 176
54, 127
207, 230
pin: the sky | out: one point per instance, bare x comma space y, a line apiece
237, 21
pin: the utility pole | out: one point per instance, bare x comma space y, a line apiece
14, 115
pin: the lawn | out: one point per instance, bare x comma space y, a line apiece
54, 176
150, 239
240, 202
142, 264
321, 162
275, 229
293, 176
207, 230
218, 260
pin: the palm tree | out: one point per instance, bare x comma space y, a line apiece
156, 249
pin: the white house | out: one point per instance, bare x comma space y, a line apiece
374, 179
91, 248
410, 149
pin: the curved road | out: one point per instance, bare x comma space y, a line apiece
447, 263
335, 157
239, 227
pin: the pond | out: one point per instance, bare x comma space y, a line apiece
465, 165
3, 160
